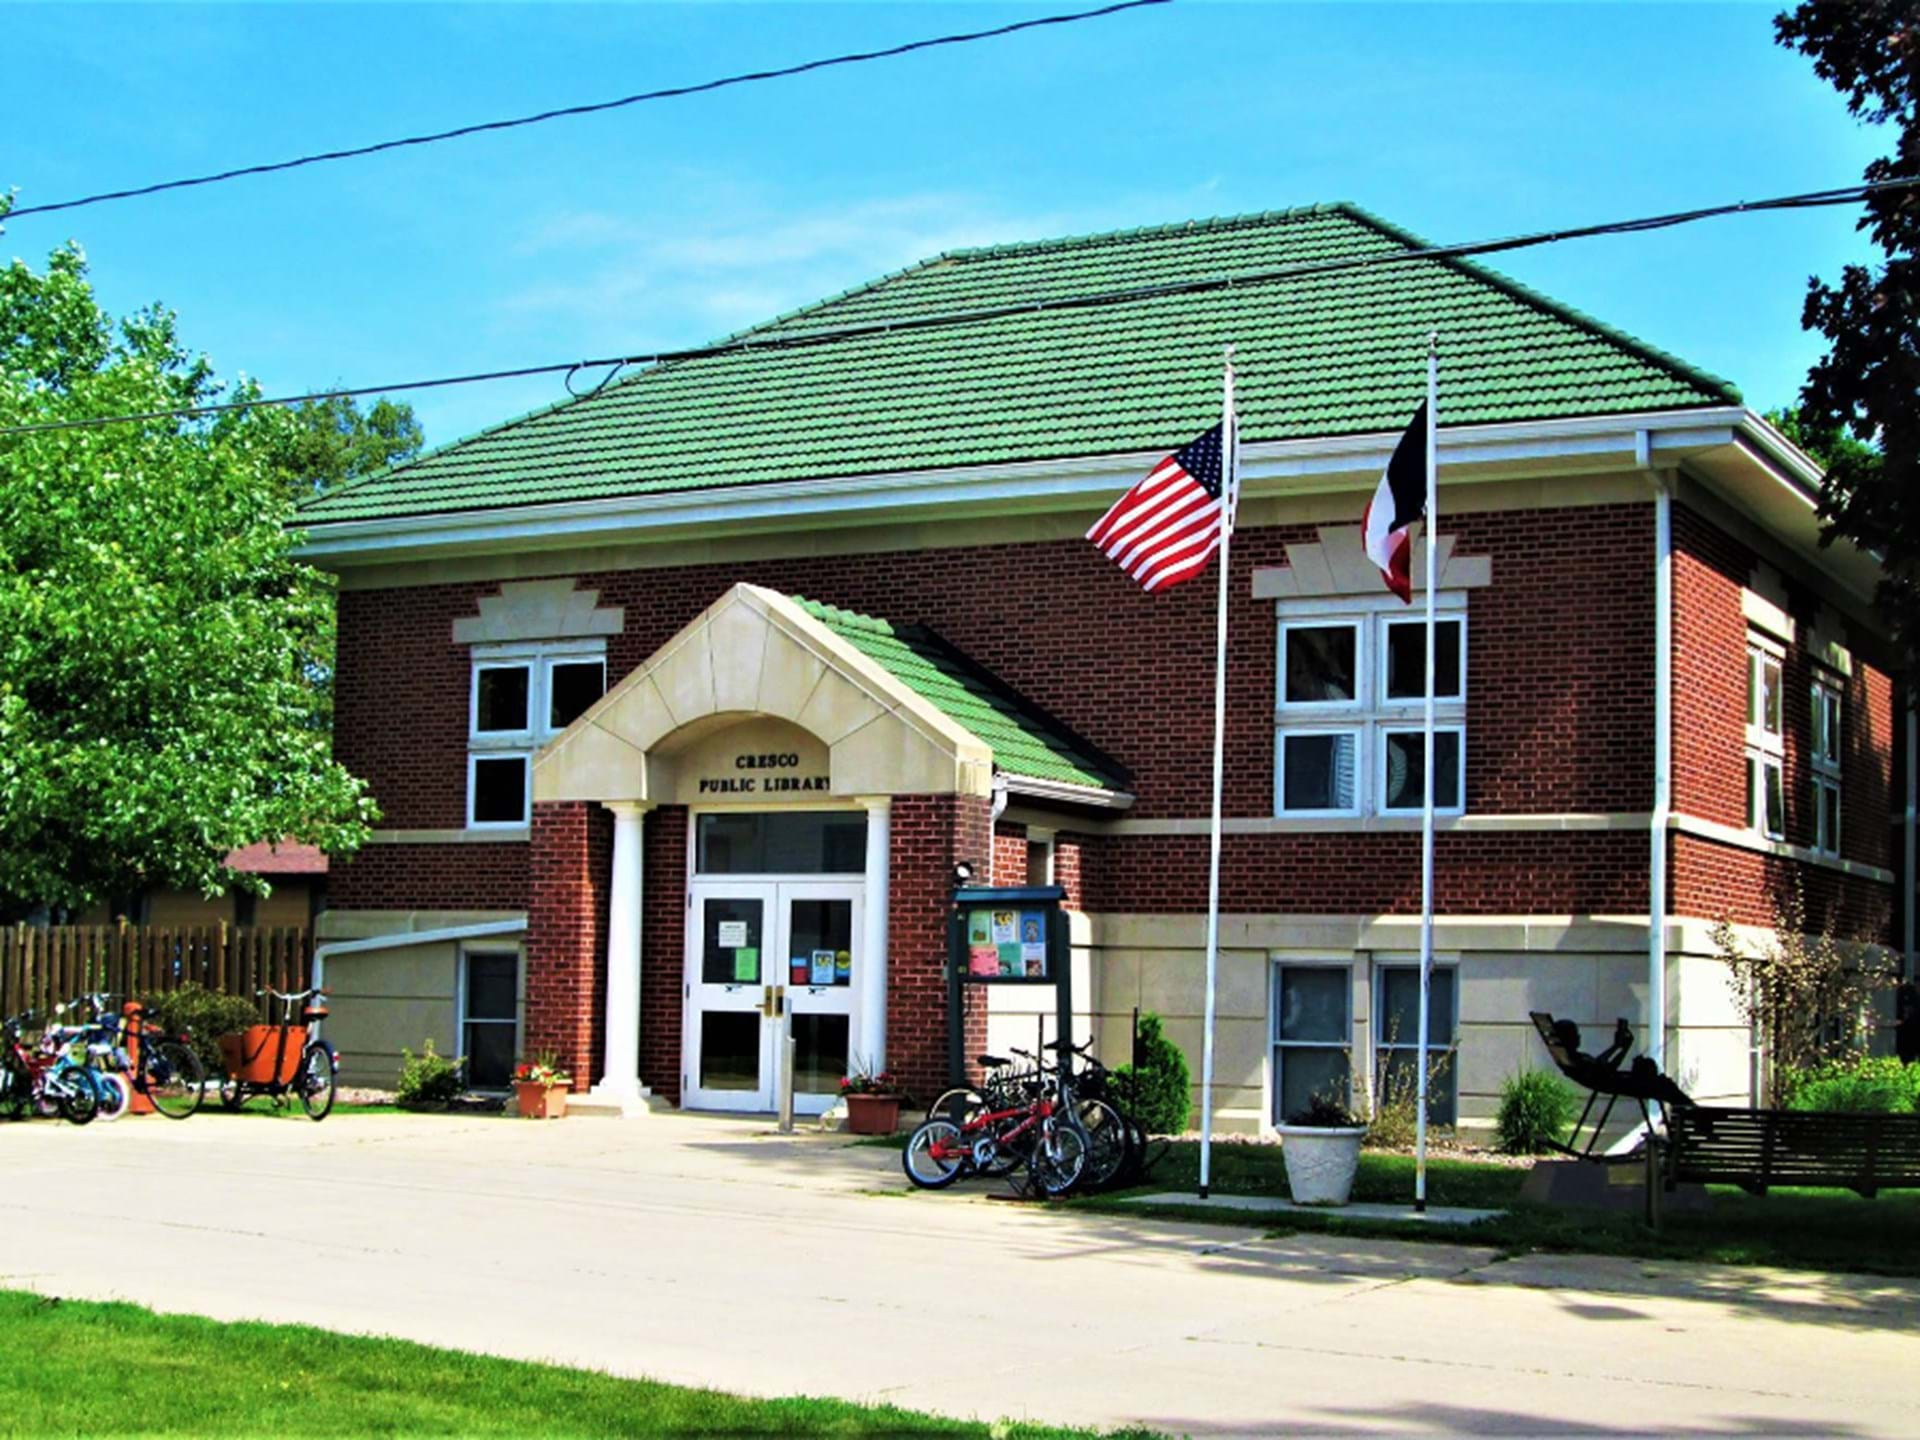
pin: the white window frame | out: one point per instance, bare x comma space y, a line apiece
1369, 716
538, 660
1828, 723
1460, 767
1276, 967
1435, 1046
1307, 732
460, 1016
1765, 748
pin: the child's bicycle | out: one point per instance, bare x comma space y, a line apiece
283, 1059
44, 1078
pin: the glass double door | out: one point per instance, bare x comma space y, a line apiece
752, 947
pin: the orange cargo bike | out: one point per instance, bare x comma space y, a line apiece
282, 1060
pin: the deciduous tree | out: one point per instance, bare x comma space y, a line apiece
162, 652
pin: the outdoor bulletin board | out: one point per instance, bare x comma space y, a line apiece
1005, 936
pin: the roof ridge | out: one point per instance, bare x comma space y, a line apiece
1664, 359
1246, 221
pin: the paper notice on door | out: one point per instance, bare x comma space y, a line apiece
746, 964
822, 968
983, 960
733, 934
798, 968
843, 967
1006, 927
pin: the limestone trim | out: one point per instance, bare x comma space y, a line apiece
1747, 840
755, 654
1361, 824
504, 835
1338, 565
539, 610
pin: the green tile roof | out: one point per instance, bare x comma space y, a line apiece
1333, 354
1025, 740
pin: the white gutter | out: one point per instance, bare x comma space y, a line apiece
993, 821
1654, 1043
400, 939
1065, 792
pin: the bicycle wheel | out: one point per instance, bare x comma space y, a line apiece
16, 1090
1060, 1157
955, 1105
79, 1102
176, 1082
114, 1094
316, 1082
934, 1156
1108, 1142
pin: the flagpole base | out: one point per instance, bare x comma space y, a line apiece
1203, 1192
1419, 1207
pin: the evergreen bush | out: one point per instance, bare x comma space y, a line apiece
1536, 1110
1157, 1092
429, 1080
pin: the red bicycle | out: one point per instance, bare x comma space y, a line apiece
1040, 1133
47, 1079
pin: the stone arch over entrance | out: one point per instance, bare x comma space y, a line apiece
755, 703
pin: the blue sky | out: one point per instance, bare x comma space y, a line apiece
672, 222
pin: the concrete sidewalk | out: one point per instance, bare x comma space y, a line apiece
715, 1253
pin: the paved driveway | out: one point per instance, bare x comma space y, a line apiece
711, 1252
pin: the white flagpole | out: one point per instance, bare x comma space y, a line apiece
1426, 800
1229, 494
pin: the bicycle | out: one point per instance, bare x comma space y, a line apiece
1116, 1145
1040, 1133
164, 1068
45, 1079
313, 1075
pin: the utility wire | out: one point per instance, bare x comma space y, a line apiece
566, 112
799, 339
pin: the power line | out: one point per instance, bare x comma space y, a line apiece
800, 339
566, 112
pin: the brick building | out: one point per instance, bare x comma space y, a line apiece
709, 680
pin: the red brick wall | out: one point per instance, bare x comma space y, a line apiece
1711, 880
1538, 873
929, 833
663, 948
486, 876
1558, 708
1009, 854
1068, 869
571, 852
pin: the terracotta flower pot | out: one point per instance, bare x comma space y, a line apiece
540, 1102
873, 1114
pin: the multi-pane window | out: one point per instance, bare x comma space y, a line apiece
1397, 1038
522, 697
1349, 739
1824, 756
1312, 1030
490, 1016
1766, 747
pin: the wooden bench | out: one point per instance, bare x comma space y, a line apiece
1757, 1149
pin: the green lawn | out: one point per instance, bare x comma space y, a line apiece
1806, 1229
79, 1368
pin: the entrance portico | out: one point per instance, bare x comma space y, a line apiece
756, 710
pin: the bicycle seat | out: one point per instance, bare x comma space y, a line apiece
991, 1062
314, 1012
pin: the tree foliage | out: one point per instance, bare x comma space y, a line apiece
1860, 407
162, 653
332, 442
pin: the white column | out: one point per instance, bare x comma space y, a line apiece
872, 1045
620, 1084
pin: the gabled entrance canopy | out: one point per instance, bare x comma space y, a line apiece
853, 705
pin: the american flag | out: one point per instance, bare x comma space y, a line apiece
1166, 528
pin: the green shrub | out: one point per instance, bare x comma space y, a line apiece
1536, 1109
428, 1081
1158, 1091
1878, 1083
203, 1016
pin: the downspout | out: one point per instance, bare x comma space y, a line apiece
1906, 850
993, 821
1654, 1043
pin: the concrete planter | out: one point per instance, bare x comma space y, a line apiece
1321, 1162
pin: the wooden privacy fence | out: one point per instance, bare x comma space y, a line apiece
41, 966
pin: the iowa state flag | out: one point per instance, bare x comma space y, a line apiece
1400, 499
